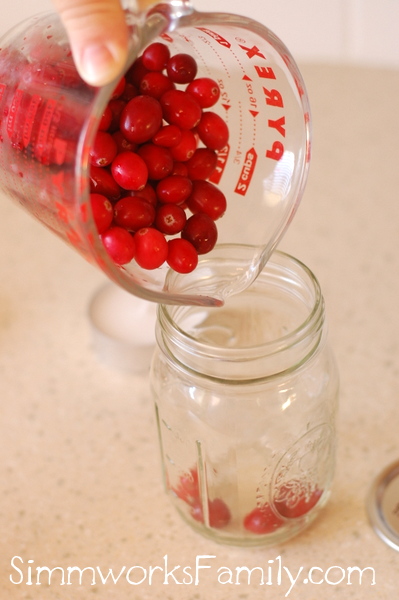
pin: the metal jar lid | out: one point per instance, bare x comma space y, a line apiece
383, 505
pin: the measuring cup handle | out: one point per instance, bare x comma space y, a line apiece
173, 8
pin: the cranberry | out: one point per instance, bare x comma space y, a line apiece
213, 131
133, 213
294, 499
186, 146
174, 189
201, 231
151, 248
116, 106
106, 119
159, 160
180, 108
262, 520
155, 57
179, 168
102, 211
168, 136
119, 244
136, 72
170, 219
103, 150
140, 119
202, 163
129, 171
122, 144
181, 68
119, 89
182, 256
147, 193
205, 90
219, 513
155, 84
129, 92
188, 487
207, 198
102, 182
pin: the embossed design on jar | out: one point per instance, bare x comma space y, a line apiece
299, 479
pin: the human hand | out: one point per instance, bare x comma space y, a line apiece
98, 36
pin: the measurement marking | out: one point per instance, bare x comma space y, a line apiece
197, 52
254, 114
3, 87
15, 104
207, 42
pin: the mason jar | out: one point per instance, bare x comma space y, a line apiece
245, 400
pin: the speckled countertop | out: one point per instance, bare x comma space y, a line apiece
80, 473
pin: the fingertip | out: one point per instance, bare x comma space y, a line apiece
100, 63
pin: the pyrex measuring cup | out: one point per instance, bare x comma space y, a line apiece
49, 118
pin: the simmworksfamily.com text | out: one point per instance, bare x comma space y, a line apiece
200, 570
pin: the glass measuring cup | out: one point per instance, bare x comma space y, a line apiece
49, 119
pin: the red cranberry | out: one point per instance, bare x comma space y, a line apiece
102, 211
136, 72
205, 90
119, 244
182, 256
106, 119
174, 189
155, 84
262, 520
133, 213
155, 57
129, 171
151, 248
168, 136
186, 146
116, 106
207, 198
179, 168
219, 513
103, 150
201, 231
170, 219
102, 182
140, 119
119, 89
122, 144
213, 131
159, 160
147, 193
181, 68
180, 108
202, 163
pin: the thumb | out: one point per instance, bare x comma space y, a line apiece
98, 36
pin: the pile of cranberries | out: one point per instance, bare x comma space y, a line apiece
293, 500
153, 154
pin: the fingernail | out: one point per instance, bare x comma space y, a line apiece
101, 63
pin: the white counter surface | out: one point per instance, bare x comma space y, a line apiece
80, 472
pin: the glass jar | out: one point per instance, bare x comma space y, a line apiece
245, 399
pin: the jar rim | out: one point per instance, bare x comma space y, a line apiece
290, 272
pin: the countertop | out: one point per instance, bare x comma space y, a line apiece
80, 470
